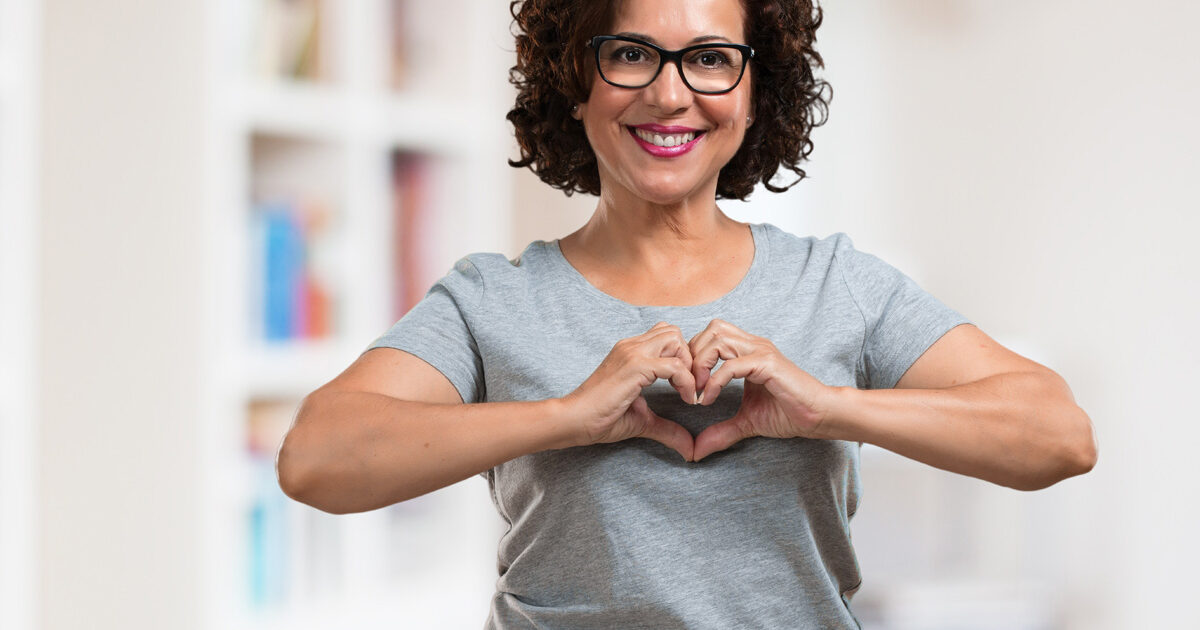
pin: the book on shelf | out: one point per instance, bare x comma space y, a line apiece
398, 42
268, 561
296, 300
268, 530
410, 221
421, 57
288, 40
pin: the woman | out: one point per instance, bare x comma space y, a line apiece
538, 373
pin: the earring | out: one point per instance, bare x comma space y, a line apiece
749, 120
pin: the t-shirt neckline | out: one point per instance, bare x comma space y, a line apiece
748, 281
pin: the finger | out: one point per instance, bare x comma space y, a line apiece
704, 359
720, 436
718, 341
666, 432
716, 328
659, 327
736, 367
669, 343
684, 381
676, 371
696, 344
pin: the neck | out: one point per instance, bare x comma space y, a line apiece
630, 232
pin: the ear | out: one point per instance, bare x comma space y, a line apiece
576, 113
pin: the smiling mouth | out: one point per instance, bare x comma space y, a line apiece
666, 139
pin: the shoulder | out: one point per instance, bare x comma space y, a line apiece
809, 252
835, 259
497, 267
782, 239
856, 266
478, 273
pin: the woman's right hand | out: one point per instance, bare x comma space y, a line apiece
609, 406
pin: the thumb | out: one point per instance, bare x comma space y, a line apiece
667, 432
720, 436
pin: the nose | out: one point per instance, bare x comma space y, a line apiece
668, 92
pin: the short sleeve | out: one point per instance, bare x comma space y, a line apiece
437, 329
901, 320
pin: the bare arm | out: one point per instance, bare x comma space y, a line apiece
392, 427
1019, 429
969, 405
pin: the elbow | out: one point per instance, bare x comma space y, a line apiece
290, 471
301, 482
1084, 450
311, 462
1081, 451
1076, 456
295, 463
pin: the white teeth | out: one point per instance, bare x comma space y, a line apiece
670, 140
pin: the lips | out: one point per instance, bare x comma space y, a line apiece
665, 141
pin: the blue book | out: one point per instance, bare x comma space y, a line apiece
268, 538
283, 266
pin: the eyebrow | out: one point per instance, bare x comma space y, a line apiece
695, 40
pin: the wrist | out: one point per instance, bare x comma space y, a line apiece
839, 405
566, 432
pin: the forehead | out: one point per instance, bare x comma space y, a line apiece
677, 22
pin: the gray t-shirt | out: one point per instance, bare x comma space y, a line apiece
627, 534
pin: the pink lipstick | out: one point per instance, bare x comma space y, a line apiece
649, 135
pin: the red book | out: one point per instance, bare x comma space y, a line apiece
410, 233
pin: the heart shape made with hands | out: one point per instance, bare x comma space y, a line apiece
779, 399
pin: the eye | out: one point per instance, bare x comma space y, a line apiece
711, 59
630, 55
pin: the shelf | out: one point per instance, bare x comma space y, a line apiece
292, 108
425, 124
286, 150
293, 369
403, 120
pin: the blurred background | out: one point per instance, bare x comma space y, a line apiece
210, 208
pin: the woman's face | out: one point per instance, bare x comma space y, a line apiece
613, 115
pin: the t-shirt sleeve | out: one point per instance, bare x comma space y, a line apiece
437, 330
901, 319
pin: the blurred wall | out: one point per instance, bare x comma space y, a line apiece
121, 185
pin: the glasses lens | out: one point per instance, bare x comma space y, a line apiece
712, 69
627, 64
709, 69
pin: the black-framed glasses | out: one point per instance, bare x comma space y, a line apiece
713, 68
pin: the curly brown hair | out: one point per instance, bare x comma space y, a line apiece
554, 68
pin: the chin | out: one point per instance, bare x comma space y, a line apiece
666, 192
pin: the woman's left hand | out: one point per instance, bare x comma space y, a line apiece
779, 399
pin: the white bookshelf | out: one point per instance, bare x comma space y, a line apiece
428, 562
19, 21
